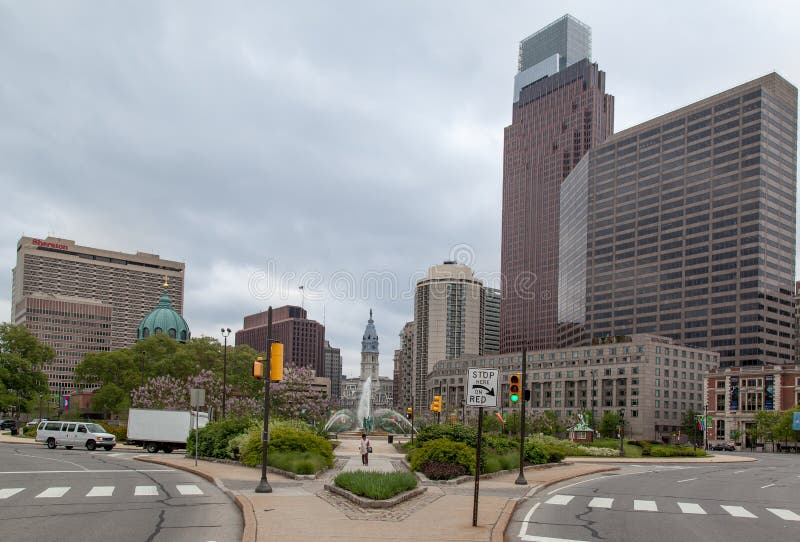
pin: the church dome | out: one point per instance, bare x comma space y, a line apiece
164, 319
369, 342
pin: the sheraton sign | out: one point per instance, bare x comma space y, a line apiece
48, 244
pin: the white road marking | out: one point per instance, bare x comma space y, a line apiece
529, 538
533, 490
739, 471
600, 502
82, 471
560, 499
687, 480
189, 489
523, 528
52, 492
145, 490
101, 491
766, 486
738, 512
787, 515
8, 492
583, 482
645, 506
691, 508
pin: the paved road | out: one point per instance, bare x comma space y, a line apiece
76, 495
668, 502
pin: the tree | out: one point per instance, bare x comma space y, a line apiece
110, 399
295, 397
609, 424
767, 422
21, 357
689, 425
548, 423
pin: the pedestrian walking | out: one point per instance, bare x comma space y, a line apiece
365, 448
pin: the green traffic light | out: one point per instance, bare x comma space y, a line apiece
514, 397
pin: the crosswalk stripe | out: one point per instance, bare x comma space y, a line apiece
145, 491
52, 492
787, 515
560, 499
691, 508
738, 512
189, 490
645, 506
600, 502
101, 491
8, 492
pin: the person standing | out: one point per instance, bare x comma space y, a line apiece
365, 448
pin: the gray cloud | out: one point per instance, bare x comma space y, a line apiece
325, 137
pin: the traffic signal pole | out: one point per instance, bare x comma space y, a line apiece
521, 481
263, 486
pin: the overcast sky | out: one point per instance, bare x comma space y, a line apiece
346, 146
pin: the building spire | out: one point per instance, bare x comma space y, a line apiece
166, 282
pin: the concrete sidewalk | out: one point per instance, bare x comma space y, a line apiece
303, 510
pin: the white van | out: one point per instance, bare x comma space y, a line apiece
70, 434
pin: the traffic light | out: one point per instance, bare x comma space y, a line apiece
527, 395
409, 413
276, 362
514, 381
436, 406
258, 367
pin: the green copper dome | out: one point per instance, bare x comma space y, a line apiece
164, 319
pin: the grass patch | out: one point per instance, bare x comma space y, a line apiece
297, 462
507, 461
376, 485
631, 450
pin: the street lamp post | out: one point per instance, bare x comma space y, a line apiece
621, 432
263, 486
594, 376
225, 333
144, 353
521, 481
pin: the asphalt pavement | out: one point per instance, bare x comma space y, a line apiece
77, 495
669, 503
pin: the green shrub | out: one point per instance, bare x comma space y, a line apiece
284, 438
494, 462
443, 451
455, 432
501, 444
29, 431
297, 462
376, 485
213, 439
676, 451
554, 449
535, 454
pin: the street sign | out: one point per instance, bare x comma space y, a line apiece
482, 387
197, 397
796, 421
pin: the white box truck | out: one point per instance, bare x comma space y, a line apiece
165, 430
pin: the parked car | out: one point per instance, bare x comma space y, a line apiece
7, 424
724, 447
35, 421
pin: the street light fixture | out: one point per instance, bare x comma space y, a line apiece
621, 432
225, 332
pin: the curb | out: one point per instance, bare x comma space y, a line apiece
487, 476
504, 520
250, 526
364, 502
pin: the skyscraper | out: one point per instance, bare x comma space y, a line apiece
333, 370
684, 226
560, 111
450, 313
404, 369
303, 339
79, 299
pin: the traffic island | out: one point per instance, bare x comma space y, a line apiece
365, 502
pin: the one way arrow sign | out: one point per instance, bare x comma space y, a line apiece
481, 386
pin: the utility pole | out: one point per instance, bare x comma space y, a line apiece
263, 486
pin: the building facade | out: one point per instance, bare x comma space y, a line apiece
303, 339
735, 394
448, 320
491, 321
560, 111
684, 226
404, 369
652, 378
381, 387
797, 322
333, 371
79, 299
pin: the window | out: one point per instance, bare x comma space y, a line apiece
720, 429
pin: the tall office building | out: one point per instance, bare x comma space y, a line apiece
449, 321
404, 369
303, 339
491, 321
79, 299
333, 370
560, 111
797, 322
684, 226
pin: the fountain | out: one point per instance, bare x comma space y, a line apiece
383, 419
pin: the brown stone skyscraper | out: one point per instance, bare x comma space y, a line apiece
560, 111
